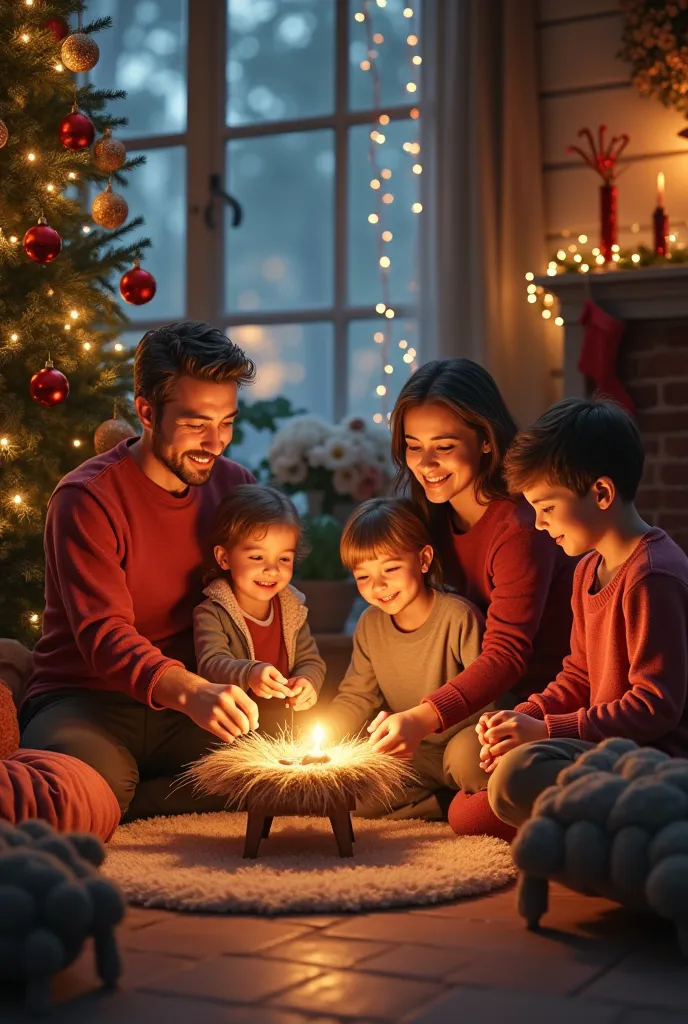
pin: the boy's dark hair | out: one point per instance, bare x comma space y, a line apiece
383, 525
189, 348
249, 511
573, 444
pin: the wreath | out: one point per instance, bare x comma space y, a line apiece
655, 43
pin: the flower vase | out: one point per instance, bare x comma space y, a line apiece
608, 221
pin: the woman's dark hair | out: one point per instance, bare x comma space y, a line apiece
187, 349
575, 443
467, 390
249, 511
387, 525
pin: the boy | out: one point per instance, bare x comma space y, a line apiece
408, 642
579, 466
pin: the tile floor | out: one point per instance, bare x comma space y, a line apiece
592, 963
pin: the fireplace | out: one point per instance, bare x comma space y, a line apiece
653, 366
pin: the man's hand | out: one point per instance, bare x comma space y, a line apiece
501, 731
400, 734
303, 693
266, 681
224, 711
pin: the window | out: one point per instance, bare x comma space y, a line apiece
304, 113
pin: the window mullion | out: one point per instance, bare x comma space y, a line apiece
341, 261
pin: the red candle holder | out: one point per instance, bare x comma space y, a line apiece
660, 223
608, 221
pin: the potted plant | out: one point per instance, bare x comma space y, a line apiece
327, 585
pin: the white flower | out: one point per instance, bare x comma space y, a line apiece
337, 452
289, 470
346, 480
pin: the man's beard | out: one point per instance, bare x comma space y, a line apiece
189, 473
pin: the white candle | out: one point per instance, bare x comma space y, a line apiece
318, 737
660, 190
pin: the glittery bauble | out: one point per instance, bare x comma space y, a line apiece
137, 286
79, 52
58, 27
49, 386
109, 154
110, 433
42, 243
109, 209
76, 131
4, 134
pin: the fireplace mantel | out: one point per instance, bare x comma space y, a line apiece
650, 293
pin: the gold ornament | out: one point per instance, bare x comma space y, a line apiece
109, 154
79, 52
4, 134
109, 209
110, 433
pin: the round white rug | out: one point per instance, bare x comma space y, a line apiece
194, 862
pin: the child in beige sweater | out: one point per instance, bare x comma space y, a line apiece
411, 639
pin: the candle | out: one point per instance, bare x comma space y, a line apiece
316, 755
660, 190
660, 221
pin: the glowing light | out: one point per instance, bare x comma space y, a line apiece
377, 418
530, 276
380, 138
14, 336
385, 261
616, 257
389, 313
373, 218
384, 119
532, 298
408, 358
551, 271
50, 188
29, 3
74, 313
635, 257
4, 442
382, 3
50, 292
25, 37
381, 389
373, 134
584, 268
615, 248
31, 157
87, 346
408, 12
411, 87
559, 321
416, 60
572, 248
417, 168
546, 314
386, 173
388, 198
33, 619
59, 67
531, 289
378, 337
417, 207
380, 307
548, 299
17, 499
582, 239
578, 258
414, 113
403, 343
378, 38
318, 731
67, 327
412, 40
599, 259
119, 347
13, 239
387, 236
389, 368
359, 16
375, 183
76, 442
365, 65
561, 255
672, 238
86, 229
596, 251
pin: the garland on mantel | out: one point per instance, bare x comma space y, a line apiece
571, 258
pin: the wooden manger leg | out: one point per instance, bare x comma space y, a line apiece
255, 832
267, 826
340, 820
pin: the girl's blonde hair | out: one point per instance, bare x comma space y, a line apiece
386, 525
249, 511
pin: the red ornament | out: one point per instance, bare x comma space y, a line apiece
49, 387
137, 286
41, 242
58, 27
76, 131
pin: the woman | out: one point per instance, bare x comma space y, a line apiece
450, 431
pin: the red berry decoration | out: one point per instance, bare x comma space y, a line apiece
58, 27
41, 242
76, 131
49, 387
137, 286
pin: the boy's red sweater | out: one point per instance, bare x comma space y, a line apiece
522, 582
627, 674
123, 570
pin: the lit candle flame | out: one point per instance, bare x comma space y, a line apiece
318, 737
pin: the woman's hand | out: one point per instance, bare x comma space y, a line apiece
267, 681
303, 693
400, 734
501, 731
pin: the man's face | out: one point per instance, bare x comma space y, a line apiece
194, 427
573, 522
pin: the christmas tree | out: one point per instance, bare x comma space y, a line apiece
60, 264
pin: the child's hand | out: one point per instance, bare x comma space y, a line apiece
266, 681
400, 734
303, 693
506, 730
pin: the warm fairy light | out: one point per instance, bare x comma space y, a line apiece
33, 619
411, 87
417, 168
389, 313
384, 119
31, 157
72, 175
375, 183
382, 3
599, 259
74, 313
377, 417
50, 188
616, 257
119, 347
378, 337
414, 113
412, 40
416, 60
672, 238
86, 229
559, 321
378, 38
584, 268
17, 499
373, 134
615, 248
359, 16
87, 346
388, 198
389, 368
408, 358
412, 352
373, 218
417, 207
67, 327
572, 248
13, 239
546, 314
365, 65
380, 138
386, 173
582, 239
25, 37
76, 442
532, 298
385, 261
636, 257
59, 67
596, 251
578, 258
403, 343
380, 307
531, 289
548, 299
561, 255
14, 336
381, 389
387, 236
50, 293
551, 271
29, 3
372, 54
408, 12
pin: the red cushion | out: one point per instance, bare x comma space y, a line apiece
59, 789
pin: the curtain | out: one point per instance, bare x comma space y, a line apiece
483, 221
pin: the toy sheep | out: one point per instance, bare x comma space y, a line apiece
51, 900
614, 825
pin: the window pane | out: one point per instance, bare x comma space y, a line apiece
281, 257
145, 53
295, 361
158, 191
280, 59
383, 84
366, 242
368, 358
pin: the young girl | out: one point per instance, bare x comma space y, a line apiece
252, 629
411, 639
450, 432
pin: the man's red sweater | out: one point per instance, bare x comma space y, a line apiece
522, 582
627, 674
123, 570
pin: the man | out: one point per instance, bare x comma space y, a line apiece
125, 541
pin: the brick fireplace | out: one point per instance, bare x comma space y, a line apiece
653, 365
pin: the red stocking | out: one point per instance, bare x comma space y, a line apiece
471, 815
603, 335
